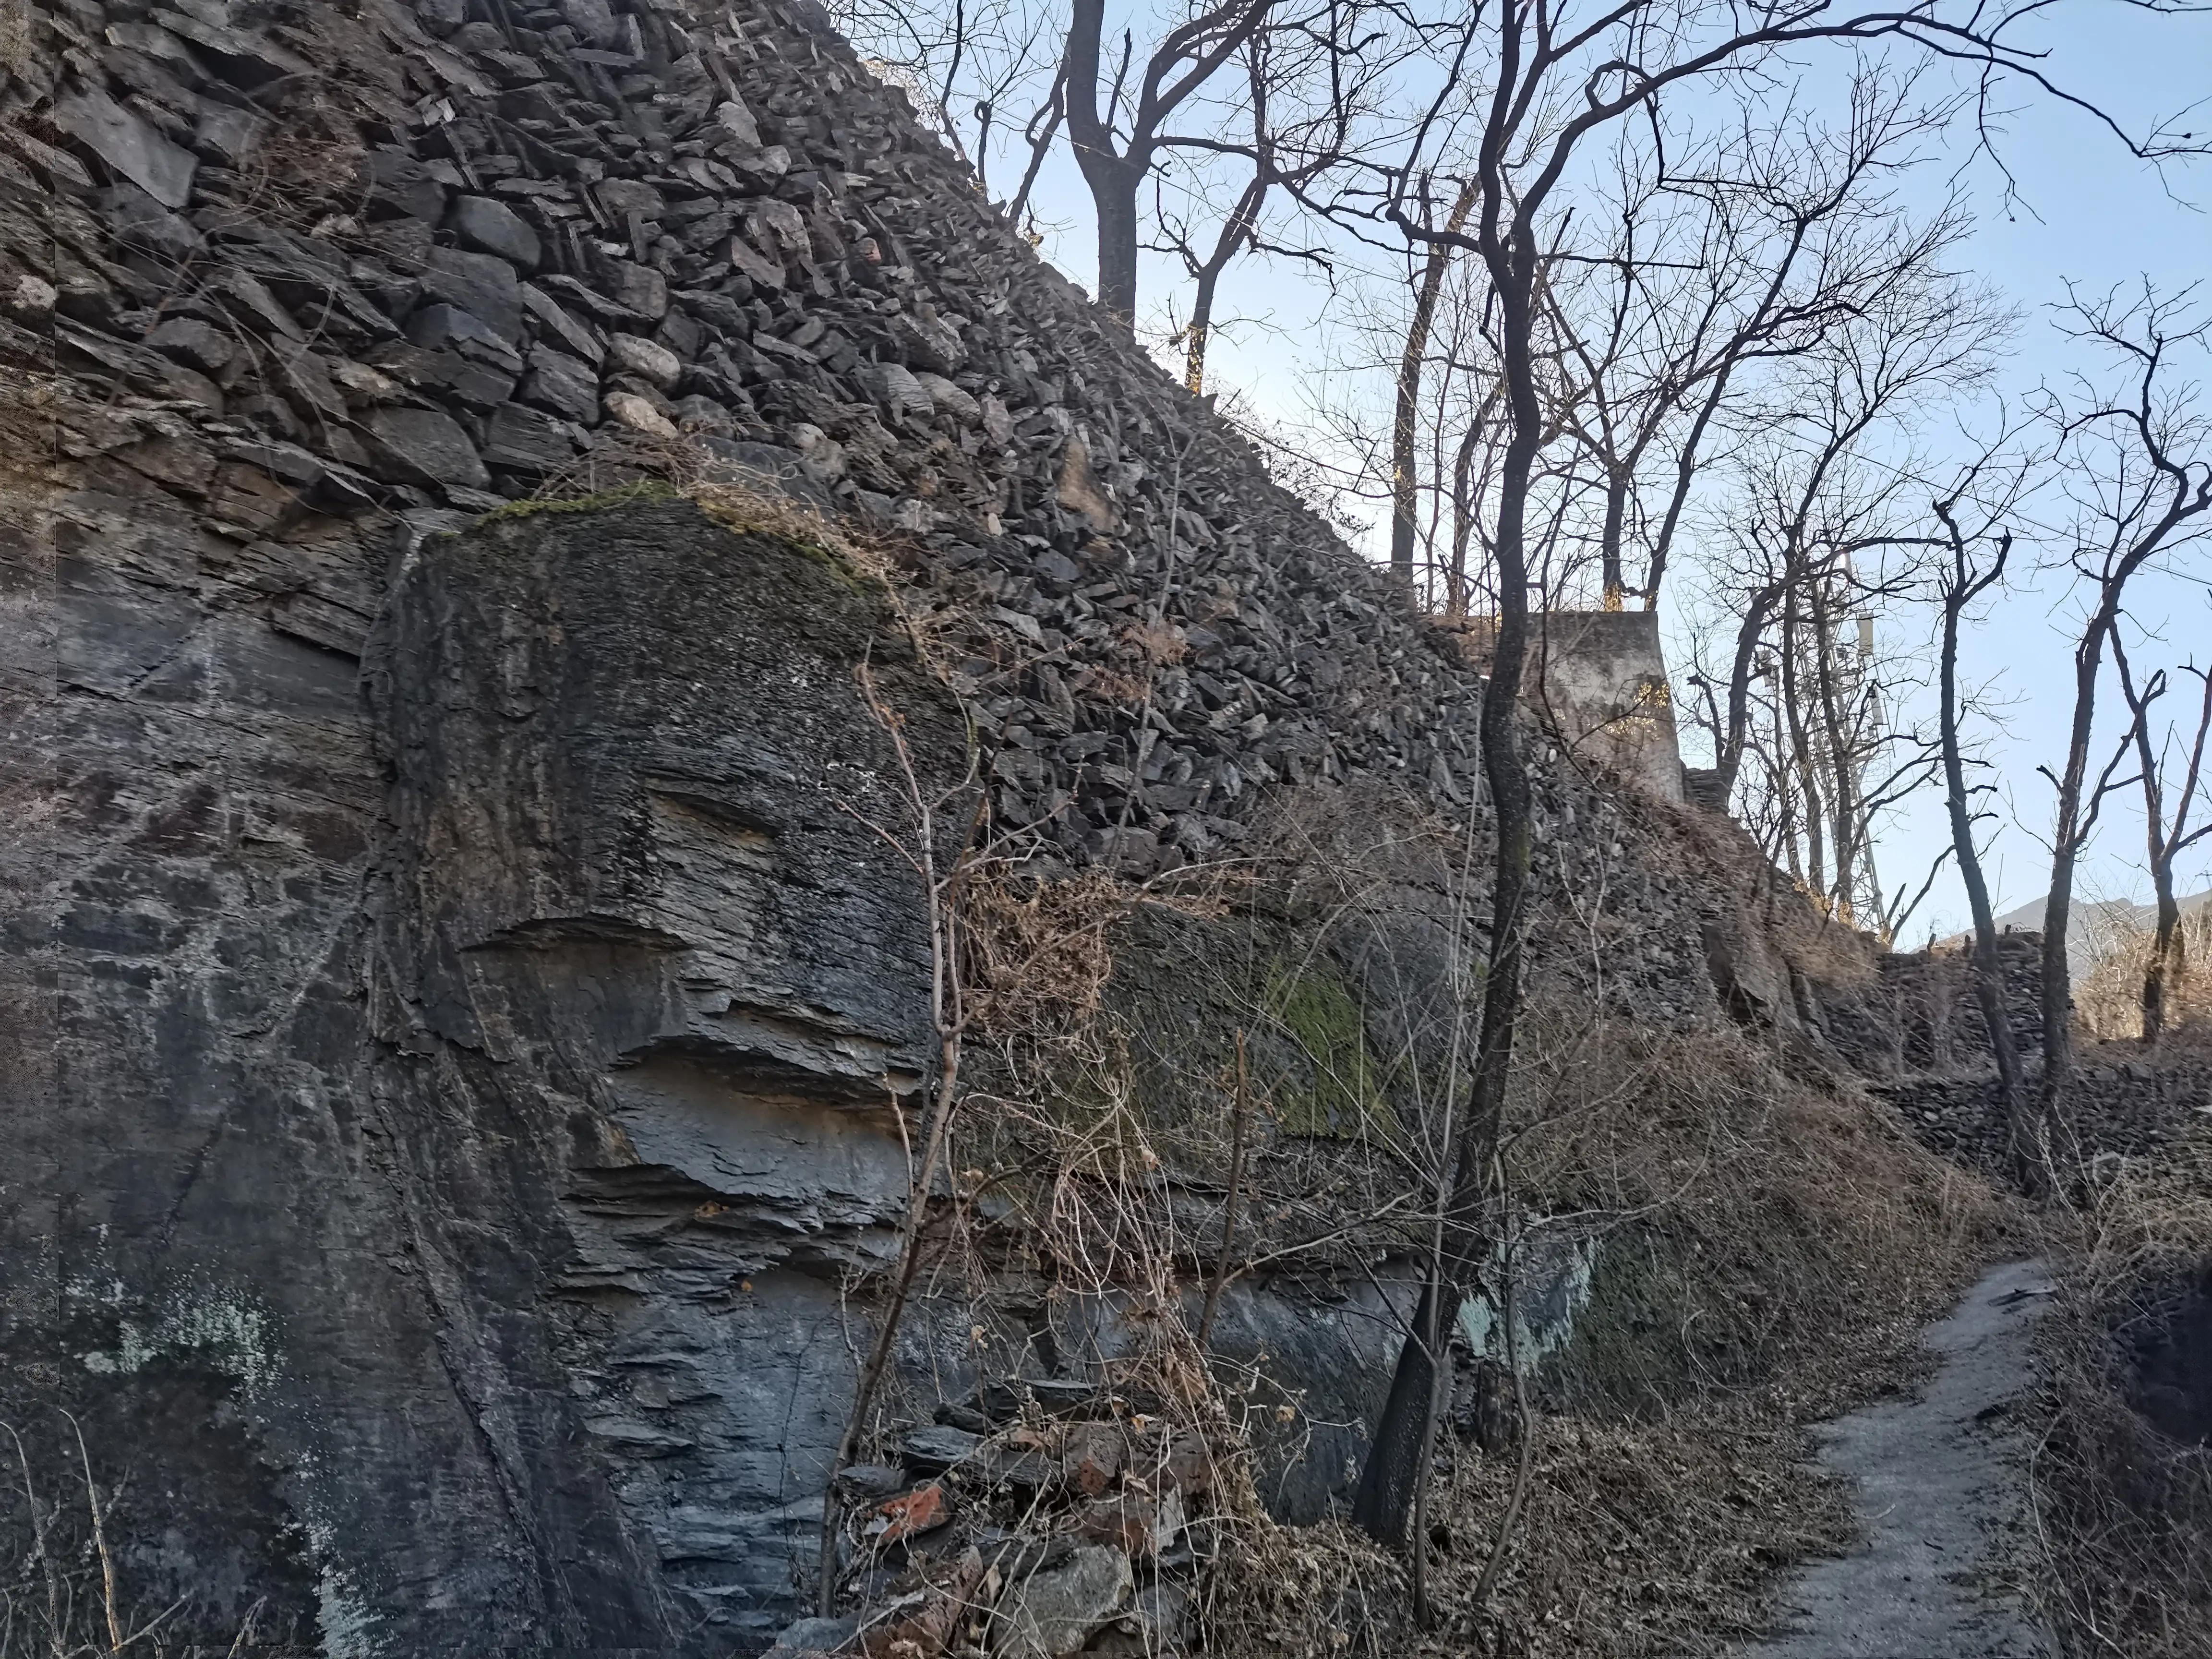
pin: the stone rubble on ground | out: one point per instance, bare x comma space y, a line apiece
1064, 1519
447, 252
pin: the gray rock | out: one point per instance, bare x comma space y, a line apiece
594, 19
442, 17
647, 359
494, 228
441, 327
698, 413
629, 198
1056, 1612
638, 288
229, 134
776, 226
639, 413
129, 144
405, 183
422, 445
950, 398
562, 385
138, 221
898, 390
757, 267
872, 1479
443, 376
939, 1446
930, 343
734, 118
573, 336
189, 340
480, 283
527, 441
32, 298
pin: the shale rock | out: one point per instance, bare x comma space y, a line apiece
1055, 1612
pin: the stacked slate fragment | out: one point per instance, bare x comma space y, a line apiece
420, 261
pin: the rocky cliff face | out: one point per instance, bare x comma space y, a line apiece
453, 993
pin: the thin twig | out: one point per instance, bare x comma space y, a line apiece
1229, 1207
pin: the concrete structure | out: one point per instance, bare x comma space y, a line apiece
1601, 679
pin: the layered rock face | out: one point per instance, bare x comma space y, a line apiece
452, 989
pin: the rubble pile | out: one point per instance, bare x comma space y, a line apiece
1033, 1520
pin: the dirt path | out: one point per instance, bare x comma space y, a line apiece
1940, 1482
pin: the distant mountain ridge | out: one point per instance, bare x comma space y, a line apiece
2088, 916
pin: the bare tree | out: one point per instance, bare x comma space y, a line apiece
1753, 247
2165, 972
1116, 147
964, 63
1405, 425
1552, 80
1960, 584
2138, 463
1820, 536
1293, 140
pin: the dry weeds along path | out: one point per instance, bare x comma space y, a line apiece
1941, 1485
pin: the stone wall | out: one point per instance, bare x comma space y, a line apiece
451, 995
330, 261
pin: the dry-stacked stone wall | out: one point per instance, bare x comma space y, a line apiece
374, 259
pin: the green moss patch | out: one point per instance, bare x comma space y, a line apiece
628, 494
1334, 1086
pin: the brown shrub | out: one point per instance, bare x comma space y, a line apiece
1038, 957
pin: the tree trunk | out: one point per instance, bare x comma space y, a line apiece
1836, 737
1989, 968
1406, 421
1113, 196
2058, 990
1616, 518
2162, 970
1113, 178
1801, 754
1456, 591
2161, 866
1397, 1462
1196, 335
1236, 228
1729, 761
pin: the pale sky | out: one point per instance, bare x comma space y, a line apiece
2086, 212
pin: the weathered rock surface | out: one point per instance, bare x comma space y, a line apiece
450, 989
1053, 1612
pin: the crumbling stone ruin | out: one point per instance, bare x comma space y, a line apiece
452, 987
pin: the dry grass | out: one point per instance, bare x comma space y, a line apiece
2126, 1511
1322, 1592
1764, 1235
1639, 1538
2108, 994
1038, 954
1770, 1253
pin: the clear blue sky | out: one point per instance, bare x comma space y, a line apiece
2086, 212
